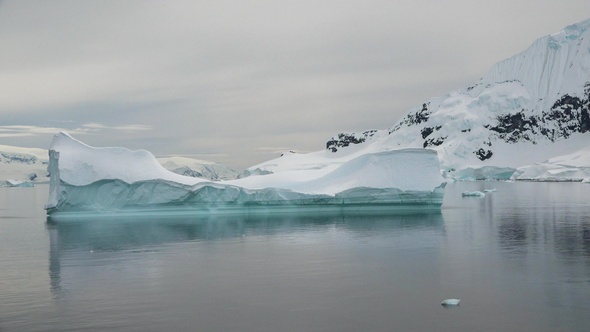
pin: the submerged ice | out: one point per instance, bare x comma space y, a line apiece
89, 179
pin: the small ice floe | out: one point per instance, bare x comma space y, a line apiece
450, 302
472, 194
586, 180
490, 190
18, 183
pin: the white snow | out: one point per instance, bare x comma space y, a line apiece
457, 125
568, 167
451, 302
23, 164
197, 168
81, 164
406, 169
85, 178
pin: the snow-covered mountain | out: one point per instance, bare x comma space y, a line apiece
30, 164
525, 109
23, 164
198, 168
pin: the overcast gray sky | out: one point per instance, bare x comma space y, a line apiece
238, 82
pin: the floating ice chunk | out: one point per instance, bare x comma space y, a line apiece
482, 173
472, 194
490, 190
18, 183
449, 302
110, 180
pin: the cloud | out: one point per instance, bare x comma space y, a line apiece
24, 131
85, 129
128, 128
224, 78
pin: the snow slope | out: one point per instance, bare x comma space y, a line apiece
89, 179
198, 168
525, 109
23, 164
569, 167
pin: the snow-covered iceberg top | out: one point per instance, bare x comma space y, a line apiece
89, 179
569, 167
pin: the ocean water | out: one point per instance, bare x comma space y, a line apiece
519, 260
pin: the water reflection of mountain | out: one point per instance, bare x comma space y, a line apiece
81, 245
528, 216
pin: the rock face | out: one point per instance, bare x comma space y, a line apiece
528, 108
343, 140
567, 116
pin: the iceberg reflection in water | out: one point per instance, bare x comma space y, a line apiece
90, 250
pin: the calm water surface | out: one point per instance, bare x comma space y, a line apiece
519, 260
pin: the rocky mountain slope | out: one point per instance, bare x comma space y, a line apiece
525, 109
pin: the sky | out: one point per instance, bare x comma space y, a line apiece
239, 82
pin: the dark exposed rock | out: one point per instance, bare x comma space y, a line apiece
189, 172
511, 127
414, 118
345, 139
483, 154
8, 158
257, 171
429, 130
434, 141
568, 115
290, 152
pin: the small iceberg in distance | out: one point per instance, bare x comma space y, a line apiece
473, 194
18, 184
492, 190
89, 180
450, 302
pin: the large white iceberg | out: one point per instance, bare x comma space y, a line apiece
85, 179
569, 167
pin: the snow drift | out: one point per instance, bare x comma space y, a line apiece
118, 180
573, 167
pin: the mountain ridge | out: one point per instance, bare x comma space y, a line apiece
522, 105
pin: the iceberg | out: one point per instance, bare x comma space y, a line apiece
572, 167
473, 194
90, 180
450, 302
18, 183
482, 173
